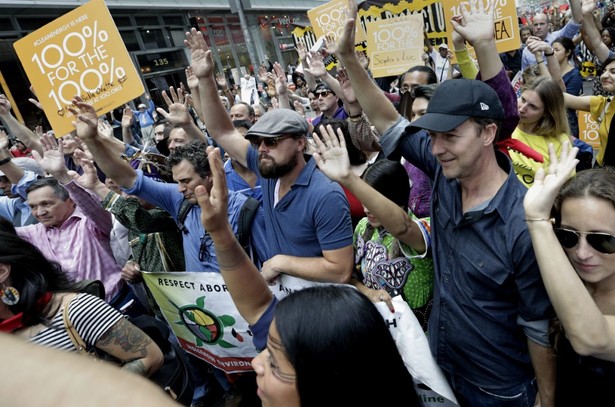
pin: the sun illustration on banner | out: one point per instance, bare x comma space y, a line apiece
206, 327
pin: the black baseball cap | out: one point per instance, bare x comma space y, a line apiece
457, 100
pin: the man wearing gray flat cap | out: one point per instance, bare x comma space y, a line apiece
307, 216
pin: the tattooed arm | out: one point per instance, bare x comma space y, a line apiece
128, 343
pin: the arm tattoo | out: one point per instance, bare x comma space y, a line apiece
130, 338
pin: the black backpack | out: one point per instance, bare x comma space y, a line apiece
248, 209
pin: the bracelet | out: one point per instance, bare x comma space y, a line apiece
540, 62
538, 220
355, 116
549, 55
5, 160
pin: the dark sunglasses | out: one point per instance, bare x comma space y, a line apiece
602, 242
323, 93
270, 142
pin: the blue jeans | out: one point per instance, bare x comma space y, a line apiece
470, 395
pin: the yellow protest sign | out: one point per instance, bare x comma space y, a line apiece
329, 19
506, 25
588, 130
394, 45
79, 53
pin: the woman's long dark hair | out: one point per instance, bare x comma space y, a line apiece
32, 275
336, 339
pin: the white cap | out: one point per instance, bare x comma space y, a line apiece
443, 45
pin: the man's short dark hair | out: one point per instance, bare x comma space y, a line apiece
58, 189
250, 108
424, 91
195, 153
431, 74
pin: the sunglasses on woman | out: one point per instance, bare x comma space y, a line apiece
270, 142
602, 242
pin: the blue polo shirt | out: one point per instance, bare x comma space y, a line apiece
234, 182
488, 289
167, 197
313, 216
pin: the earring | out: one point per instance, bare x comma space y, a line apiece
9, 296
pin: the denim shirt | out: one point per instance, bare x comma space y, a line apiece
486, 276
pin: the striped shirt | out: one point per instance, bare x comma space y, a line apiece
81, 245
90, 316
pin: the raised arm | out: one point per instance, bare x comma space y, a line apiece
590, 331
193, 85
476, 27
16, 128
127, 120
108, 161
332, 159
179, 113
592, 35
247, 287
216, 118
379, 110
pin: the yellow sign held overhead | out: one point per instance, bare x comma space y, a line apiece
505, 23
80, 53
394, 45
329, 19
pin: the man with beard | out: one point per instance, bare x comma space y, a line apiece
307, 217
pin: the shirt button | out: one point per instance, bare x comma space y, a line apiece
481, 264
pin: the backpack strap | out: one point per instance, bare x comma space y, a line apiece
246, 214
183, 214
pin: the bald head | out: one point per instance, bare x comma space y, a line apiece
541, 26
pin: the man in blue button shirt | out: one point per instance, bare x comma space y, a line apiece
489, 323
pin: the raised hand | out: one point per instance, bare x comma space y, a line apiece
347, 90
540, 197
332, 156
214, 205
202, 62
89, 179
345, 44
299, 107
53, 160
317, 65
221, 81
587, 7
86, 122
179, 113
128, 117
302, 52
536, 45
331, 44
191, 79
362, 58
477, 22
105, 129
280, 79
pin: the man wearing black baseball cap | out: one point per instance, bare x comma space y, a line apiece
488, 328
307, 216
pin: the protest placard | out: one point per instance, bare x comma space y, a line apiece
505, 23
588, 130
329, 19
201, 313
80, 53
394, 45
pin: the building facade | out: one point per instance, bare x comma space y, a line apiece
154, 31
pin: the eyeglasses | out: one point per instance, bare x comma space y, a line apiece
270, 142
602, 242
323, 93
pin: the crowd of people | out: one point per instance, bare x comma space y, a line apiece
478, 205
